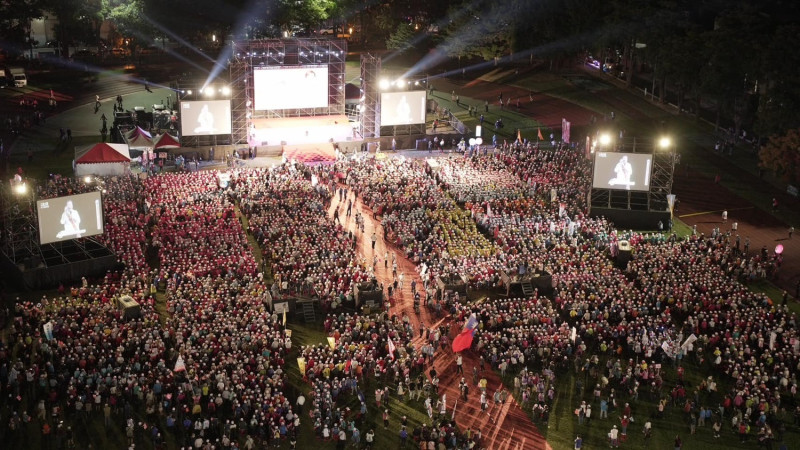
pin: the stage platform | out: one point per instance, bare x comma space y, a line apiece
310, 153
300, 130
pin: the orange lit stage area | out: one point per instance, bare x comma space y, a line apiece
300, 130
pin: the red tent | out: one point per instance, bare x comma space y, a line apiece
103, 153
166, 141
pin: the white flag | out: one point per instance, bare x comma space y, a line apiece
179, 365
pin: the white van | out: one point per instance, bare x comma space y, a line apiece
17, 76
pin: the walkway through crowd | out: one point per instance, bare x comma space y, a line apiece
518, 430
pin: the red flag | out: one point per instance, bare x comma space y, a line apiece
464, 340
541, 138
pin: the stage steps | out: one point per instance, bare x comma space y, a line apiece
527, 288
308, 312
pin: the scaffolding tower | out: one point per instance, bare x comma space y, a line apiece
371, 98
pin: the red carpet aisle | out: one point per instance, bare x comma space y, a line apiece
505, 426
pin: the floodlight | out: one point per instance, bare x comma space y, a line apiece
87, 179
384, 84
21, 188
664, 142
226, 90
605, 139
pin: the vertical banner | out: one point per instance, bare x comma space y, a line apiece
671, 203
565, 131
332, 342
301, 364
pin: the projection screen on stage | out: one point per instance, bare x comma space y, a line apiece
70, 217
277, 87
402, 108
205, 117
624, 171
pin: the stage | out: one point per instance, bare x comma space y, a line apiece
301, 130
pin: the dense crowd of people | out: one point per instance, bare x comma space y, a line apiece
209, 369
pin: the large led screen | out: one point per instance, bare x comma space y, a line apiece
624, 171
277, 87
205, 117
70, 217
402, 108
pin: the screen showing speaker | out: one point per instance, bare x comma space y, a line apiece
205, 117
402, 108
278, 87
624, 171
70, 217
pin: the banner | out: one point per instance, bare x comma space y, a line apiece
180, 366
284, 317
332, 342
565, 127
689, 341
391, 348
48, 330
539, 135
772, 337
301, 364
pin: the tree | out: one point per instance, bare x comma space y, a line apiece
782, 155
15, 19
402, 38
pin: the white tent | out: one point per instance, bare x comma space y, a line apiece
102, 159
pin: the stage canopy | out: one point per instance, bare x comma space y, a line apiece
102, 159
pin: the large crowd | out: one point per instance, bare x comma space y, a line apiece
209, 368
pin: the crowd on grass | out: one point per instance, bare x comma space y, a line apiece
205, 364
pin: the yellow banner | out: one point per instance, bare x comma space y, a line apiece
332, 342
301, 364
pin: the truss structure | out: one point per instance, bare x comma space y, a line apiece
371, 95
248, 55
661, 176
18, 217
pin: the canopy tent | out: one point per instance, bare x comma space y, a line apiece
138, 139
138, 131
102, 159
166, 141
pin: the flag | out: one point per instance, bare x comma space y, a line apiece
180, 366
464, 339
772, 337
391, 348
453, 416
539, 135
332, 342
519, 135
301, 364
284, 317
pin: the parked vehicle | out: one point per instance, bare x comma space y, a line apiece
16, 76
